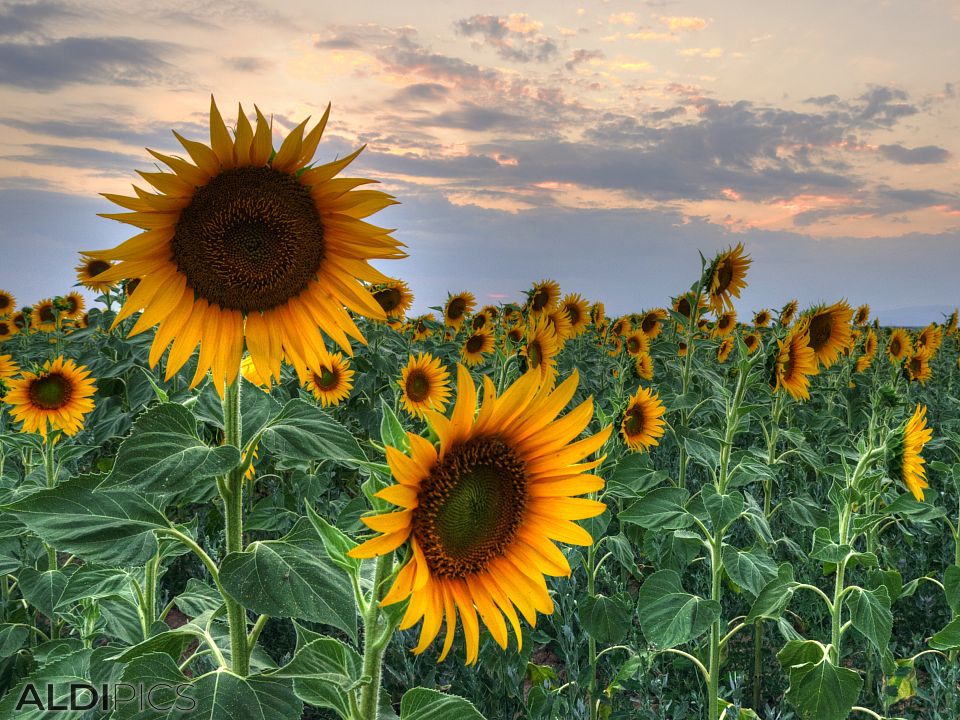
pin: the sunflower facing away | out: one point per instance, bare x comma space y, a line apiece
246, 244
898, 346
394, 298
598, 313
642, 420
457, 307
482, 512
7, 303
829, 327
905, 448
787, 312
726, 277
424, 385
794, 363
476, 346
56, 397
332, 380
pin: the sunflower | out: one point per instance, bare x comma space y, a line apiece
829, 328
457, 307
511, 314
421, 328
726, 277
479, 321
726, 324
862, 316
616, 346
482, 511
8, 368
87, 272
898, 346
903, 452
544, 296
75, 305
7, 329
681, 349
7, 303
332, 380
56, 397
787, 312
761, 318
724, 349
642, 420
951, 325
560, 321
21, 319
794, 363
44, 316
598, 313
637, 343
917, 367
651, 323
643, 365
478, 344
424, 385
491, 311
869, 351
248, 244
622, 327
514, 336
752, 340
578, 313
394, 298
541, 350
930, 338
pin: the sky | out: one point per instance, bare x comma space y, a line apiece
600, 144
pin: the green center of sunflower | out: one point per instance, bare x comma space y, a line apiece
388, 298
475, 343
250, 239
471, 506
326, 379
417, 386
820, 331
456, 308
51, 392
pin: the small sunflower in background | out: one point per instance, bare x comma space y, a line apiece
7, 329
643, 420
724, 349
560, 322
578, 312
332, 380
787, 312
424, 385
21, 319
622, 327
482, 511
457, 307
7, 303
726, 324
869, 351
761, 318
244, 246
862, 316
598, 313
56, 397
543, 298
74, 305
541, 349
44, 316
636, 343
917, 368
651, 323
898, 346
950, 326
87, 272
794, 363
394, 298
681, 349
643, 366
903, 452
514, 336
829, 331
930, 338
476, 347
511, 314
752, 340
421, 327
726, 277
479, 321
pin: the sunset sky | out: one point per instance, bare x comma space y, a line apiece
599, 144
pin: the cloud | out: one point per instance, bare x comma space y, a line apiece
684, 22
516, 37
49, 65
474, 117
419, 93
153, 135
925, 155
101, 161
21, 18
246, 64
581, 56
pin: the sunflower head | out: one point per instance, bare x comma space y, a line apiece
681, 349
598, 313
787, 313
424, 385
457, 308
577, 312
44, 316
917, 367
950, 326
481, 512
514, 336
903, 452
726, 277
761, 318
8, 367
332, 379
752, 341
829, 331
56, 397
477, 345
930, 338
724, 349
637, 343
643, 366
642, 421
7, 329
88, 270
726, 323
793, 363
244, 245
622, 327
651, 323
543, 297
899, 345
862, 316
394, 298
421, 327
7, 303
541, 349
73, 305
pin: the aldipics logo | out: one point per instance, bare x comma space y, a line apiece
53, 697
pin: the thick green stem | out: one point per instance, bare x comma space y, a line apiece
375, 641
836, 625
50, 471
232, 493
713, 673
150, 590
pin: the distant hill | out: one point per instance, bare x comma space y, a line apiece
914, 316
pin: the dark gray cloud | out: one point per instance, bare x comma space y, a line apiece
418, 93
925, 155
29, 18
581, 56
51, 64
248, 64
154, 135
104, 162
474, 117
527, 44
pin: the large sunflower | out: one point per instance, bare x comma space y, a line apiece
794, 363
898, 346
424, 385
642, 420
7, 303
829, 328
56, 397
904, 452
482, 511
457, 307
394, 298
7, 329
541, 350
245, 243
544, 296
332, 379
726, 277
88, 270
476, 346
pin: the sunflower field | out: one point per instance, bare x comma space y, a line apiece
247, 484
